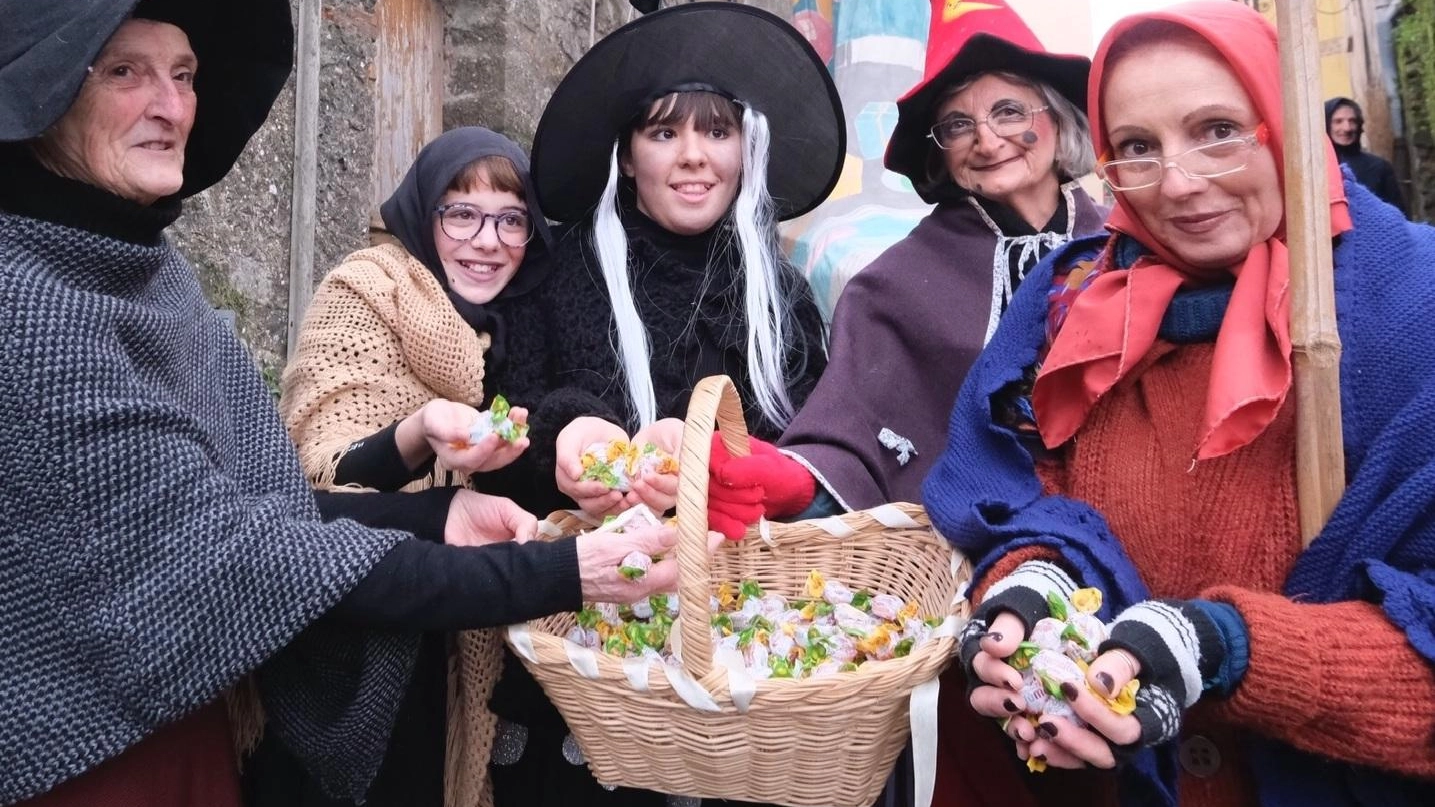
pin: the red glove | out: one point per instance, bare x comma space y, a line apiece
764, 483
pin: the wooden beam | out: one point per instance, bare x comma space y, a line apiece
306, 167
1315, 340
408, 89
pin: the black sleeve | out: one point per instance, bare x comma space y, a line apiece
423, 513
420, 586
1389, 189
375, 462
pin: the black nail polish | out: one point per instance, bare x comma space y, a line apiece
993, 635
1009, 706
1046, 730
1040, 758
1068, 691
1106, 683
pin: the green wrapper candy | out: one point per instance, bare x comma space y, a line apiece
635, 564
496, 421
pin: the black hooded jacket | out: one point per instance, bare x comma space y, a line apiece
1370, 170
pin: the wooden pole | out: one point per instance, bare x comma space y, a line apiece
306, 167
1315, 341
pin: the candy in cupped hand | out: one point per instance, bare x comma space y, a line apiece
616, 463
496, 420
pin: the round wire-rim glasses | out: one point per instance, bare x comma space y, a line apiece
463, 222
1008, 121
1206, 161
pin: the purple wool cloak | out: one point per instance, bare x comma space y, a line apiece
904, 333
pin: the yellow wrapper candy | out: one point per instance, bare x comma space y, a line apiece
1125, 701
1086, 600
815, 584
908, 611
726, 597
1035, 765
874, 640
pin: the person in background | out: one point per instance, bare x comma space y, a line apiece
161, 542
1345, 124
1131, 428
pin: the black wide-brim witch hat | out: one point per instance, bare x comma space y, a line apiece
909, 149
245, 52
745, 53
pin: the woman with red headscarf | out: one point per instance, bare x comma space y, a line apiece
1130, 428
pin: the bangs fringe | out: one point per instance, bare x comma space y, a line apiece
707, 110
494, 171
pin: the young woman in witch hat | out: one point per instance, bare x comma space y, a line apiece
671, 149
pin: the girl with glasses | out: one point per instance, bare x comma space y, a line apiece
400, 348
1131, 427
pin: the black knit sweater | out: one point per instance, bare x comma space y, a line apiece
689, 293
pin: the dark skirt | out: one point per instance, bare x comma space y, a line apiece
189, 763
412, 771
533, 770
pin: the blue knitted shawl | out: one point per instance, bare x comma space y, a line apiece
1379, 544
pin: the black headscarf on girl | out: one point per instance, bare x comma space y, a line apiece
409, 215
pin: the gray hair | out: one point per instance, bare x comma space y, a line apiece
1075, 157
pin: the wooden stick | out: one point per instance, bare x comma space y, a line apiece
302, 215
1315, 341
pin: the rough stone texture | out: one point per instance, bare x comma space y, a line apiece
237, 233
503, 59
506, 56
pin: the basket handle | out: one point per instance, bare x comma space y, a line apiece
714, 405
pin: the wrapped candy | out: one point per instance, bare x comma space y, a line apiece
1057, 652
635, 564
496, 420
768, 634
616, 463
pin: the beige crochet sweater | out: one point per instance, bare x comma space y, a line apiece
379, 340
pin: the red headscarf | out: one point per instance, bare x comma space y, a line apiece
1113, 324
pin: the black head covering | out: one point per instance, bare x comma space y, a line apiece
409, 215
245, 52
739, 51
1330, 108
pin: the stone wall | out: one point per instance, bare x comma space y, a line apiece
237, 234
502, 59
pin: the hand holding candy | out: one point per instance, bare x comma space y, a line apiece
592, 496
444, 429
475, 519
600, 556
659, 491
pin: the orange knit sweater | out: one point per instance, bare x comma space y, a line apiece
1338, 680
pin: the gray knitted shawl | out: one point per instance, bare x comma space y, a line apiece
157, 538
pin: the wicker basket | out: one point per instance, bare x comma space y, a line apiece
817, 741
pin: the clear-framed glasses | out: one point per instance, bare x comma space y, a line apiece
463, 222
1004, 121
1202, 162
